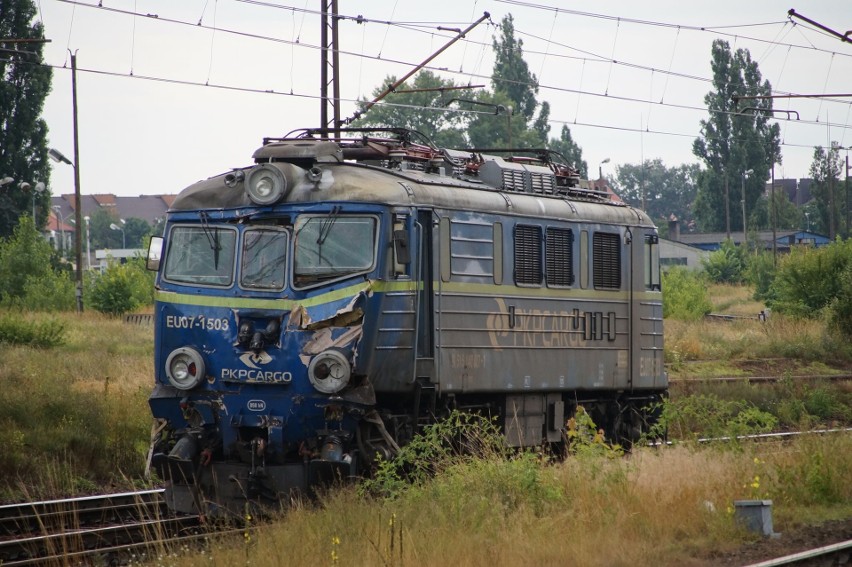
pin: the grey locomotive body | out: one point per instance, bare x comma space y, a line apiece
413, 281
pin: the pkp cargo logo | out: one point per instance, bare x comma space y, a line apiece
252, 360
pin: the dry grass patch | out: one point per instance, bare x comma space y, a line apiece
656, 507
734, 300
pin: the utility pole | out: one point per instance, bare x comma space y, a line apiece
727, 208
329, 47
846, 182
831, 225
78, 205
774, 220
745, 228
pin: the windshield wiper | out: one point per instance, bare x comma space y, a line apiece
327, 223
212, 238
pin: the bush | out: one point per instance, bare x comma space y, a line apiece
760, 273
14, 330
27, 276
52, 292
810, 279
727, 264
840, 308
458, 438
122, 288
684, 295
707, 415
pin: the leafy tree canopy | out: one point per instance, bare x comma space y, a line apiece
665, 193
734, 139
787, 215
512, 75
417, 110
827, 190
23, 133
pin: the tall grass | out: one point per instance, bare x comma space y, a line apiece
669, 506
74, 417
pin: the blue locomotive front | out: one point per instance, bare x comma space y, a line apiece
259, 320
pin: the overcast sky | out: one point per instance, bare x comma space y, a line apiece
170, 92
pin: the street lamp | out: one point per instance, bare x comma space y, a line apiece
57, 156
39, 188
114, 226
88, 243
58, 210
746, 173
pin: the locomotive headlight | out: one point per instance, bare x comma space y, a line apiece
185, 368
329, 372
266, 184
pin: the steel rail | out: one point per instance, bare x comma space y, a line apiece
29, 517
758, 379
780, 436
119, 539
817, 552
84, 499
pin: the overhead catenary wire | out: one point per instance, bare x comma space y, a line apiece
232, 88
579, 92
597, 57
362, 55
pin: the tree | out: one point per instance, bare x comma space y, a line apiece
735, 139
665, 192
826, 189
511, 73
416, 110
788, 216
100, 234
23, 133
136, 231
514, 98
27, 277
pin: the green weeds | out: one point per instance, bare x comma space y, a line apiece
39, 334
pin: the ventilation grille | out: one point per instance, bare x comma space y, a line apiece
542, 183
559, 256
606, 250
513, 180
528, 255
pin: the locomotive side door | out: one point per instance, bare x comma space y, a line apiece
425, 301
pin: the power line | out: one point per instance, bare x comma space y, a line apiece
708, 29
598, 58
356, 54
231, 88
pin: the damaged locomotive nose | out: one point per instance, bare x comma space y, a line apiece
254, 337
268, 336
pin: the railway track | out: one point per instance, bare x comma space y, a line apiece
105, 526
759, 379
829, 555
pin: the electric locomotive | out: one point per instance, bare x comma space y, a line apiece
316, 308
